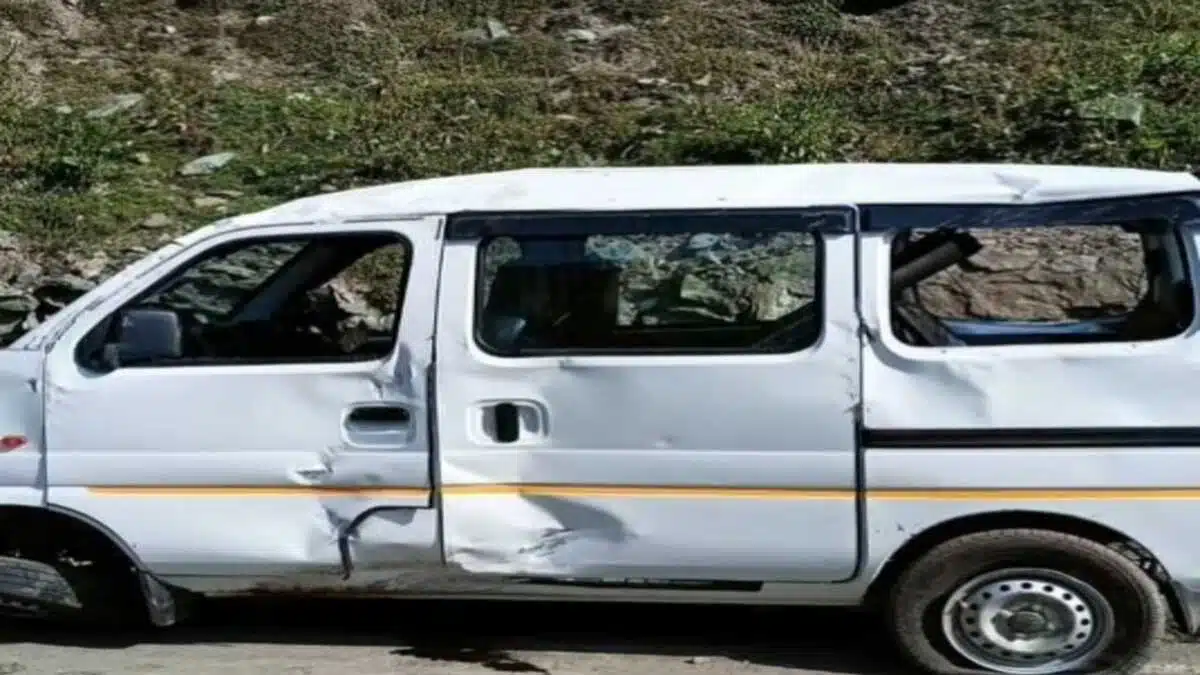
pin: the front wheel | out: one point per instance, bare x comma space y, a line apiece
1026, 602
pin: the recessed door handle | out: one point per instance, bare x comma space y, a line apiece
507, 420
373, 424
378, 415
512, 422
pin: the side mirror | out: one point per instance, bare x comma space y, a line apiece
145, 336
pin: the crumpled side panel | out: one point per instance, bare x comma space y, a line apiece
738, 467
254, 470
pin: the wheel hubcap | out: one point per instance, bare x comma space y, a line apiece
1027, 622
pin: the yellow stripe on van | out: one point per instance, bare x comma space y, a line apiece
647, 492
1041, 495
643, 492
255, 491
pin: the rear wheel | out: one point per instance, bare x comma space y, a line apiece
1026, 602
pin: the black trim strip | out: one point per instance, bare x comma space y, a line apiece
1122, 437
478, 224
1171, 208
647, 584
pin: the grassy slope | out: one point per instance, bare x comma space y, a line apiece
339, 93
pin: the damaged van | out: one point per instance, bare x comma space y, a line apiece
758, 385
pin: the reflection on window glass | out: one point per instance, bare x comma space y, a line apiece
215, 286
696, 291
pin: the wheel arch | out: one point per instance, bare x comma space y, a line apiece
69, 519
889, 571
28, 525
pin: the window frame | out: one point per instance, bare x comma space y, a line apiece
485, 228
1180, 212
180, 264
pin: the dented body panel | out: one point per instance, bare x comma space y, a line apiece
263, 462
791, 477
668, 467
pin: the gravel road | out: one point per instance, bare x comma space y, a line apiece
460, 638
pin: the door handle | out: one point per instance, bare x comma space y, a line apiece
378, 416
513, 422
378, 424
507, 422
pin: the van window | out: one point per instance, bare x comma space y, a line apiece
329, 297
1053, 284
708, 292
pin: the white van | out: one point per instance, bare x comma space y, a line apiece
705, 384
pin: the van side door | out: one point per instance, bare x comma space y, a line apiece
663, 395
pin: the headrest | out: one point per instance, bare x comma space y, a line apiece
549, 291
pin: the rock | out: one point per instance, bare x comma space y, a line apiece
208, 164
1115, 108
608, 32
477, 35
1034, 274
14, 301
264, 21
496, 30
89, 267
582, 36
156, 221
493, 30
57, 292
209, 202
224, 76
116, 104
17, 313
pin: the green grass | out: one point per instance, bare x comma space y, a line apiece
342, 94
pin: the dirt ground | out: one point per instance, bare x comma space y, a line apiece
467, 638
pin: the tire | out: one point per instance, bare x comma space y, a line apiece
34, 588
940, 598
83, 595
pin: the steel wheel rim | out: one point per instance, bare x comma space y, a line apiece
1028, 621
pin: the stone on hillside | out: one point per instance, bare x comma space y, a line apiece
156, 221
496, 30
208, 164
1114, 108
116, 104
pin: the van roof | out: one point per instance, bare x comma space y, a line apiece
725, 187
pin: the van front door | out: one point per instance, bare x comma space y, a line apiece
292, 408
666, 396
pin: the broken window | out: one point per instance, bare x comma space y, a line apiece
1052, 284
719, 291
294, 299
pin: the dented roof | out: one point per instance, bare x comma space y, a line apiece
719, 187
